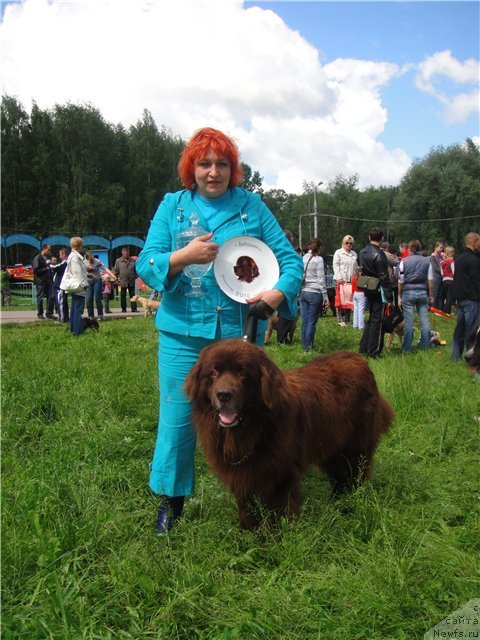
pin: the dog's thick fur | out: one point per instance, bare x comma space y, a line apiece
149, 306
472, 354
261, 428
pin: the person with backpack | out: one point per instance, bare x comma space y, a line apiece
373, 263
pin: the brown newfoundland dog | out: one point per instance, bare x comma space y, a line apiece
261, 428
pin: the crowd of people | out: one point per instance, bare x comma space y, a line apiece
89, 283
408, 278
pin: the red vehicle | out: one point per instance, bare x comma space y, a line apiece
20, 273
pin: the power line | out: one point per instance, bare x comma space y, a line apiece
390, 220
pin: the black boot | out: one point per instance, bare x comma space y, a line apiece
168, 514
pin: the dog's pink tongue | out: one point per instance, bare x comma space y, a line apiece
227, 417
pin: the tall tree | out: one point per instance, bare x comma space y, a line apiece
153, 157
252, 180
16, 181
440, 195
85, 143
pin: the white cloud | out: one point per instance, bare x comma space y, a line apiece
441, 67
207, 62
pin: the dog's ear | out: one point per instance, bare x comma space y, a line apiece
191, 385
272, 383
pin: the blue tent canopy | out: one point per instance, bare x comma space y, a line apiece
96, 240
64, 241
126, 240
58, 240
22, 238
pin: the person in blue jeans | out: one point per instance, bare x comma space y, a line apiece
313, 293
76, 274
415, 292
210, 170
94, 292
466, 292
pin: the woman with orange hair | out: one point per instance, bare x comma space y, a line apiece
210, 170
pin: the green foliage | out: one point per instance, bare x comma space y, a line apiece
442, 192
252, 180
79, 559
69, 171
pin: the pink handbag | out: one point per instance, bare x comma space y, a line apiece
346, 295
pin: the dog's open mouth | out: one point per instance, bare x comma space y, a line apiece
228, 419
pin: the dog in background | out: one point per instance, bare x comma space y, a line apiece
398, 331
472, 355
261, 427
273, 326
331, 301
90, 323
149, 306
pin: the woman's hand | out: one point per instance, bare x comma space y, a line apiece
198, 251
273, 298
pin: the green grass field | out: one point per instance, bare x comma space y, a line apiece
79, 559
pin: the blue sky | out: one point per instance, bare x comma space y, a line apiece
400, 32
309, 90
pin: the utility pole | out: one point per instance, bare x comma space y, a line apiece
315, 225
314, 214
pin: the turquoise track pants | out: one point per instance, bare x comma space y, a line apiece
172, 470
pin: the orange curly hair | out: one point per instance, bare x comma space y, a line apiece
203, 141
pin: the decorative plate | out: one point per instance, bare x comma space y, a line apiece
245, 267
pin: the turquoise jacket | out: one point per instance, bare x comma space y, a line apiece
215, 313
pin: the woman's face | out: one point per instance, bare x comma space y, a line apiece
212, 175
347, 245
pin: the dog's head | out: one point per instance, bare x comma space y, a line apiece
472, 355
246, 269
234, 379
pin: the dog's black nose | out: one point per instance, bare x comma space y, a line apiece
224, 395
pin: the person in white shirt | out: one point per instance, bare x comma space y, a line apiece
313, 295
76, 277
344, 263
